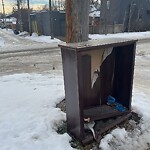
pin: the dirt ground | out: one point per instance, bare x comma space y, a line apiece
30, 62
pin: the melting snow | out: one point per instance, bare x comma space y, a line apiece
28, 117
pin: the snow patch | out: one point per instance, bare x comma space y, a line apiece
42, 39
1, 42
25, 33
129, 35
28, 117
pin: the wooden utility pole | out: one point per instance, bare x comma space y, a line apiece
4, 16
77, 20
130, 15
29, 20
51, 19
19, 15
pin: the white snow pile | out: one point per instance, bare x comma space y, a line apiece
42, 38
11, 42
130, 35
8, 31
28, 117
24, 33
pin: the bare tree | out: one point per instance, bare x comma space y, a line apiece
63, 5
4, 19
19, 14
29, 19
96, 3
19, 6
45, 7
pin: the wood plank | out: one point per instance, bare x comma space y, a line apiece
104, 128
102, 112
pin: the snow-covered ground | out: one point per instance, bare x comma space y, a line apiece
43, 39
11, 42
131, 35
29, 119
1, 42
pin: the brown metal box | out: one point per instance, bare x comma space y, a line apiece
94, 70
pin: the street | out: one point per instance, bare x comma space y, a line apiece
29, 62
42, 57
20, 55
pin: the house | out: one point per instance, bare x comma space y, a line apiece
130, 15
10, 22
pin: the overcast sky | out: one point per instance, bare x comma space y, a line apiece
10, 3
